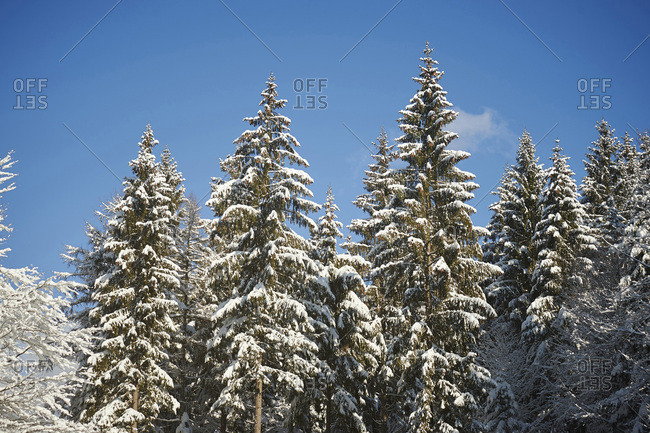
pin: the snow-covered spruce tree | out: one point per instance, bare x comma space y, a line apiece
377, 196
89, 263
134, 305
260, 332
350, 348
599, 185
382, 205
628, 166
512, 226
493, 244
635, 243
502, 409
437, 264
599, 362
192, 322
190, 254
563, 242
37, 344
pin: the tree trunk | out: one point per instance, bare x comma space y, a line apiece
328, 410
383, 427
136, 396
258, 407
224, 422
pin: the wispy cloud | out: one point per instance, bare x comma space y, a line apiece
486, 132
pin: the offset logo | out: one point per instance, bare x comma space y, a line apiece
310, 93
29, 93
595, 374
593, 93
22, 366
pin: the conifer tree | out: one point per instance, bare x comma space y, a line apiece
502, 409
133, 304
192, 258
260, 331
635, 243
382, 205
599, 184
563, 242
188, 347
377, 185
89, 263
628, 166
351, 347
512, 226
437, 264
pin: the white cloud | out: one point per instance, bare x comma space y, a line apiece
485, 132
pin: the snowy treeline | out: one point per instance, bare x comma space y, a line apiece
419, 321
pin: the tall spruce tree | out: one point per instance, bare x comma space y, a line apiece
635, 243
382, 205
133, 304
563, 242
261, 330
512, 228
599, 185
436, 261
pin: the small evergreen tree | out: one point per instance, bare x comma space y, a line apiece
191, 319
513, 224
377, 184
628, 166
351, 347
502, 409
563, 242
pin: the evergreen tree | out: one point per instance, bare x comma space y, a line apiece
382, 205
133, 304
89, 264
563, 242
599, 184
512, 226
377, 184
260, 331
628, 166
436, 262
635, 243
352, 345
192, 322
502, 410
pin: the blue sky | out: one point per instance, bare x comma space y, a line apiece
193, 70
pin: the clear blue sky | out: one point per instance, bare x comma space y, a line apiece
193, 70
